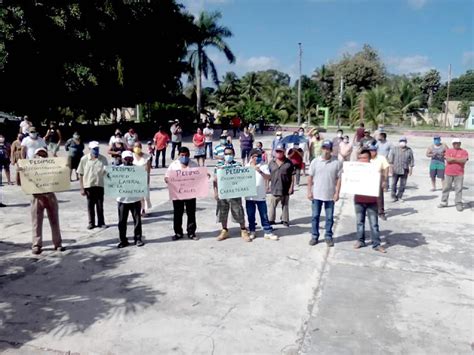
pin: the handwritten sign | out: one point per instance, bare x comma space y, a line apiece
360, 179
125, 181
188, 183
44, 175
236, 182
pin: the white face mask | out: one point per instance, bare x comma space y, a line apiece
339, 135
346, 140
402, 144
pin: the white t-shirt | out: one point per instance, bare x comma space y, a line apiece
111, 140
141, 161
31, 145
208, 132
24, 125
176, 165
261, 189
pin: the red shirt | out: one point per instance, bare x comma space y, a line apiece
455, 169
236, 122
359, 134
199, 139
161, 139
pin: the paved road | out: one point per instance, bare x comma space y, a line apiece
233, 297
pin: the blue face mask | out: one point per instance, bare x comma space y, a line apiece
184, 160
95, 152
259, 160
228, 158
437, 141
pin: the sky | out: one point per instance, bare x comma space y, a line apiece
411, 36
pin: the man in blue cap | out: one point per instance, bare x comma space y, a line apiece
324, 184
437, 165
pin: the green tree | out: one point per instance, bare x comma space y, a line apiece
208, 34
378, 106
407, 98
430, 85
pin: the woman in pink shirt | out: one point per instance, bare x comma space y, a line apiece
199, 141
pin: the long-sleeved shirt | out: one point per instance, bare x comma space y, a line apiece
401, 159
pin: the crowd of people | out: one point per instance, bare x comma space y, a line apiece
305, 152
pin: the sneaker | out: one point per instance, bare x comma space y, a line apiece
442, 205
90, 226
272, 223
223, 235
123, 245
103, 226
380, 249
313, 241
245, 235
330, 243
176, 237
252, 235
286, 224
139, 243
271, 236
459, 207
193, 236
60, 248
359, 244
383, 217
36, 250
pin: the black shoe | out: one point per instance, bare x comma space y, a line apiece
36, 250
139, 242
90, 226
177, 237
2, 205
330, 243
286, 224
313, 241
193, 237
61, 248
123, 245
103, 226
272, 223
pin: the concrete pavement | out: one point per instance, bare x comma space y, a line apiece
233, 297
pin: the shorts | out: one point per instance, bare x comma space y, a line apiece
5, 164
53, 147
437, 173
246, 153
74, 162
236, 209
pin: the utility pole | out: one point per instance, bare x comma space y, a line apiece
447, 99
340, 102
299, 85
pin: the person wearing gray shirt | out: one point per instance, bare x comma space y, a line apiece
383, 148
324, 184
401, 162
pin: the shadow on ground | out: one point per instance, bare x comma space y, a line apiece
409, 240
63, 293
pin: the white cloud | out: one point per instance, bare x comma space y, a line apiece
350, 47
468, 59
417, 4
197, 6
257, 63
410, 64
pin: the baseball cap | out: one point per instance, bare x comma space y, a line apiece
456, 140
278, 133
366, 130
32, 130
280, 147
127, 154
41, 150
402, 139
93, 144
326, 144
255, 151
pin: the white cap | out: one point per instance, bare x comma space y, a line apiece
93, 144
127, 154
456, 140
41, 150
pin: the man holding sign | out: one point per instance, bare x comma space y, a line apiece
40, 202
233, 203
185, 180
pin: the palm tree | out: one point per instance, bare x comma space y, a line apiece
250, 85
378, 106
208, 34
407, 98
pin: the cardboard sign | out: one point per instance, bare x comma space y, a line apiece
188, 183
236, 182
125, 181
360, 179
44, 175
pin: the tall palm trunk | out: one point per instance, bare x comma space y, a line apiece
199, 84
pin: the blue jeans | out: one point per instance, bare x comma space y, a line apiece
251, 207
316, 207
371, 210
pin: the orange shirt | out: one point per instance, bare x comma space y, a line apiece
161, 140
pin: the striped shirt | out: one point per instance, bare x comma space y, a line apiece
401, 159
219, 150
